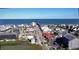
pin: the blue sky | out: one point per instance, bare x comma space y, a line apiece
38, 13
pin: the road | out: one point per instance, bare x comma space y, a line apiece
40, 38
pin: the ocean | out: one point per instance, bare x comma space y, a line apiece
40, 21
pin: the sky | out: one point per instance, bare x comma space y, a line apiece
39, 13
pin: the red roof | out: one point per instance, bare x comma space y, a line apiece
48, 35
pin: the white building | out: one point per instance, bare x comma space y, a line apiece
74, 44
46, 29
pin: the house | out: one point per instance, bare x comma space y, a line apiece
8, 36
74, 44
48, 35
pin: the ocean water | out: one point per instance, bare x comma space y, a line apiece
40, 21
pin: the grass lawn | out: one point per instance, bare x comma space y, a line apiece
15, 47
19, 45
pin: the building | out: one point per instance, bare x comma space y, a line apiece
8, 36
48, 35
74, 44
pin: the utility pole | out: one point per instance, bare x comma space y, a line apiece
0, 46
